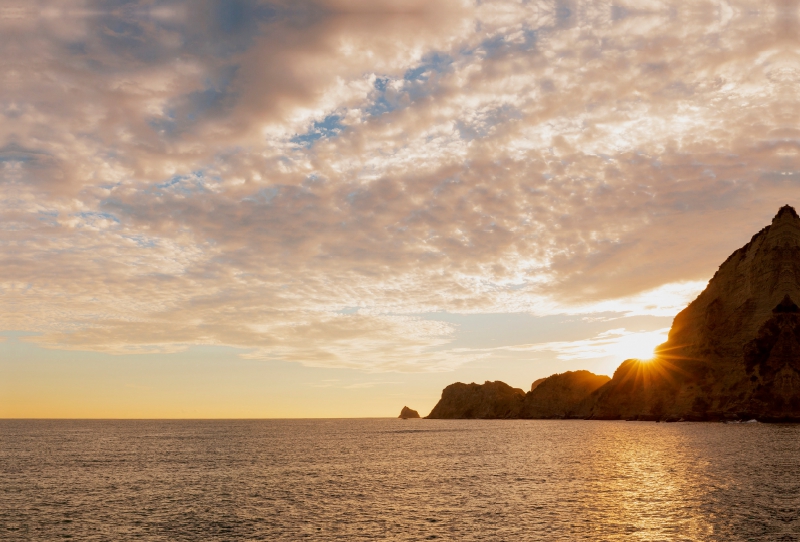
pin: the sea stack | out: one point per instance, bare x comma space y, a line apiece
407, 413
734, 352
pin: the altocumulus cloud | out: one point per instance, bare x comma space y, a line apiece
238, 173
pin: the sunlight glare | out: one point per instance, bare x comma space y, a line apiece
618, 344
640, 345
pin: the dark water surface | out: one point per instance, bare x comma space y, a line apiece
398, 480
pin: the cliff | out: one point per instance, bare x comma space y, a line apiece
734, 352
560, 395
490, 400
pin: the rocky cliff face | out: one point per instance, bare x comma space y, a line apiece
491, 400
734, 352
560, 395
407, 413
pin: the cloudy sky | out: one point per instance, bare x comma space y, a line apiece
337, 207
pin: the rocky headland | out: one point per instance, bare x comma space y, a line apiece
557, 396
733, 353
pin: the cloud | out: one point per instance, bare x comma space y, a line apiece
239, 172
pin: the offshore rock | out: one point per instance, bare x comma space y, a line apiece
733, 353
560, 395
407, 413
490, 400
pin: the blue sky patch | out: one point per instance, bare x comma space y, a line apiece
192, 183
432, 63
330, 126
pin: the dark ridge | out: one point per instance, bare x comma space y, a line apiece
763, 230
786, 209
786, 305
743, 250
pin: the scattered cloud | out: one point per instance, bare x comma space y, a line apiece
301, 178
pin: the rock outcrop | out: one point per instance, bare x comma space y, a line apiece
557, 396
407, 413
734, 352
490, 400
560, 395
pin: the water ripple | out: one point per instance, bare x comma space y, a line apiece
378, 479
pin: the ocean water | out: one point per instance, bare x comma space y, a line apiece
388, 479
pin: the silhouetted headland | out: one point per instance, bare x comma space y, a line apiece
732, 354
554, 397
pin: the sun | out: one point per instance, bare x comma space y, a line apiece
640, 345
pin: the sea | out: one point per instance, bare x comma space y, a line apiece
391, 479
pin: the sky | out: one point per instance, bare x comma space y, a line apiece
335, 208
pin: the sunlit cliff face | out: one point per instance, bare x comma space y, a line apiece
311, 180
